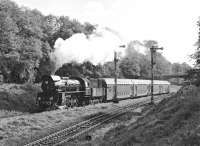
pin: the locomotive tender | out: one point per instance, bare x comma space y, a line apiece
76, 91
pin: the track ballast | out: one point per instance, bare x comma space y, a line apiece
73, 132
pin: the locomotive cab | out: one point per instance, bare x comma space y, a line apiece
98, 89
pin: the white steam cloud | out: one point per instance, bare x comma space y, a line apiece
98, 48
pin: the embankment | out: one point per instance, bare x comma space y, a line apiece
173, 122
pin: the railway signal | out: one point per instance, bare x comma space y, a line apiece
115, 100
115, 87
153, 50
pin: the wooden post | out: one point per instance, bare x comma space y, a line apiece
152, 75
115, 100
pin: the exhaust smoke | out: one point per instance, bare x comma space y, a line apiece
97, 48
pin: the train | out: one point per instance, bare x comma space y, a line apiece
77, 91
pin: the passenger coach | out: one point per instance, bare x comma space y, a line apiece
130, 88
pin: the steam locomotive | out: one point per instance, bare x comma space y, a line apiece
76, 91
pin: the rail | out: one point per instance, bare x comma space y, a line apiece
79, 129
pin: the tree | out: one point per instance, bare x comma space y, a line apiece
145, 67
88, 28
8, 30
69, 69
108, 69
196, 55
27, 40
7, 63
149, 43
130, 68
162, 66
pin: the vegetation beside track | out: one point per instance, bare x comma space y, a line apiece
18, 98
25, 128
28, 127
174, 121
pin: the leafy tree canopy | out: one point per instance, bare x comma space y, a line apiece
27, 38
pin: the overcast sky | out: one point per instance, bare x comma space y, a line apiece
173, 23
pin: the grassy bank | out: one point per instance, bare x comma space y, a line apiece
173, 122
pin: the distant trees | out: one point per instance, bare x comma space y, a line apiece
139, 64
130, 67
85, 69
194, 74
196, 55
133, 65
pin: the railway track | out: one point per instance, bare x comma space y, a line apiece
70, 133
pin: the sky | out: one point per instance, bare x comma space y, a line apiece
172, 23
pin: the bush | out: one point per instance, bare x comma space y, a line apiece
18, 97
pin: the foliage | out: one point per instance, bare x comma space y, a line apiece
193, 76
16, 97
27, 38
196, 55
130, 68
86, 69
133, 65
69, 69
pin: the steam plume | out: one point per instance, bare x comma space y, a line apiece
98, 48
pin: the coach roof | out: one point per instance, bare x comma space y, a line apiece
111, 81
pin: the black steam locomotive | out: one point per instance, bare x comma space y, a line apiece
76, 91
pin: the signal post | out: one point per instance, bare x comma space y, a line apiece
153, 50
115, 100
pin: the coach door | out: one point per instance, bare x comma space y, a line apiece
132, 90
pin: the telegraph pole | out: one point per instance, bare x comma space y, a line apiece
153, 52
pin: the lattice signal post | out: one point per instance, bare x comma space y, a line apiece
153, 50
